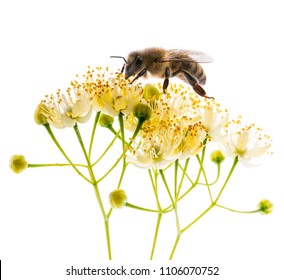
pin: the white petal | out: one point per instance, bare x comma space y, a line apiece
161, 164
258, 151
243, 141
78, 109
208, 117
67, 122
139, 161
57, 124
120, 103
85, 118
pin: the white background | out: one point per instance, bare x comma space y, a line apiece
49, 219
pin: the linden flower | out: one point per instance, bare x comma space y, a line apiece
112, 93
246, 142
65, 110
214, 120
157, 150
179, 101
192, 142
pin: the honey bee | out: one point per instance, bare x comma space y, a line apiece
165, 64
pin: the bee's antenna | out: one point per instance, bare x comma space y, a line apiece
115, 56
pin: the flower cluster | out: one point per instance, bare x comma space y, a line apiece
102, 91
181, 122
158, 131
111, 93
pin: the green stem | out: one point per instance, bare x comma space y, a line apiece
121, 125
105, 151
200, 216
122, 173
175, 179
93, 134
176, 197
176, 212
156, 235
183, 175
228, 178
109, 171
154, 182
239, 211
142, 208
218, 174
205, 177
202, 161
96, 189
217, 177
175, 246
116, 133
166, 185
169, 166
124, 165
30, 165
50, 132
155, 187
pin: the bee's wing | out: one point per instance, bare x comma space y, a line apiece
186, 55
200, 56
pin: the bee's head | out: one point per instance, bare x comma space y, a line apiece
134, 64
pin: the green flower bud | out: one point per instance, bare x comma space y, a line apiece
106, 120
38, 116
217, 156
142, 111
265, 206
18, 163
151, 92
117, 198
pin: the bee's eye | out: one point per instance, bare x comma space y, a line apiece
138, 61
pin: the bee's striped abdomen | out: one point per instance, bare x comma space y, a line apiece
197, 71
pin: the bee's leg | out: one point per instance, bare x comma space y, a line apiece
122, 69
193, 82
166, 81
140, 74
